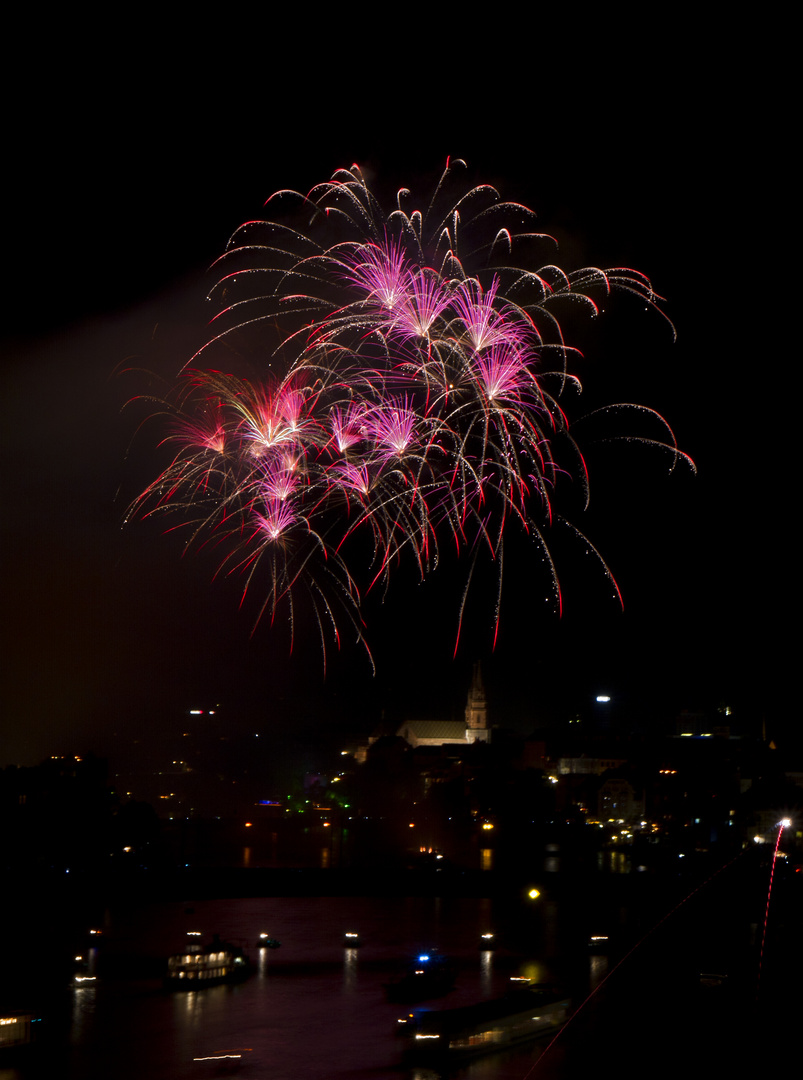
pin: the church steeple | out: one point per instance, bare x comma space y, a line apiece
477, 709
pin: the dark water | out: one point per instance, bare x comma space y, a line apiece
312, 1011
316, 1011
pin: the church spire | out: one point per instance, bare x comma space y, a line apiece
477, 709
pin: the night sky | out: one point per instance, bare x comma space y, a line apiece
128, 177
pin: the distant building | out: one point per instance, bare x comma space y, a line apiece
698, 725
453, 732
433, 732
618, 800
588, 766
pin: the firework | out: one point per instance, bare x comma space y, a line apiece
408, 371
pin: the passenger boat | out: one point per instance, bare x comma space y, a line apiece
490, 1025
15, 1031
206, 965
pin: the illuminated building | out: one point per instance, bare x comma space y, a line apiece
453, 732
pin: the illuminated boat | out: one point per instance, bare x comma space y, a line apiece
15, 1031
200, 966
430, 975
265, 941
599, 943
490, 1025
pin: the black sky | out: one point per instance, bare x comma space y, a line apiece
128, 177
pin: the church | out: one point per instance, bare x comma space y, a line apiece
453, 732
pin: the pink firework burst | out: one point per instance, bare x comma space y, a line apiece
271, 421
482, 324
289, 405
501, 372
425, 302
348, 426
392, 427
279, 482
351, 478
276, 520
411, 371
204, 432
380, 270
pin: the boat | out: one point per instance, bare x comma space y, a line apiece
84, 971
265, 941
352, 940
713, 979
489, 1025
199, 965
429, 975
598, 943
15, 1032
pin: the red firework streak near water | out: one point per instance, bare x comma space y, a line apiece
784, 823
401, 380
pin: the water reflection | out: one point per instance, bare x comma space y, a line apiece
549, 911
486, 972
315, 1008
597, 969
262, 963
552, 860
84, 1005
613, 862
350, 968
189, 1005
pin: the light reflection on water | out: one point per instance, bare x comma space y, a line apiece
613, 862
350, 968
598, 970
313, 1010
486, 972
83, 1012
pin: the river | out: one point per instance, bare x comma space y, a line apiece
314, 1010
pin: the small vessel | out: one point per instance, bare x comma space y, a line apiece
265, 941
711, 979
351, 940
490, 1025
84, 971
429, 975
205, 965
